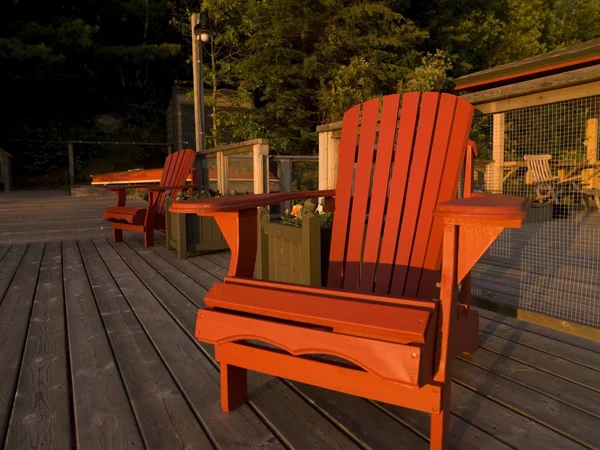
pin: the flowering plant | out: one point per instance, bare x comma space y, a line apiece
294, 217
203, 193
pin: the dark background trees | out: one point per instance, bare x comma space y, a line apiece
104, 69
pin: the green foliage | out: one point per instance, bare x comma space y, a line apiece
276, 68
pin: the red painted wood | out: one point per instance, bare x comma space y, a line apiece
177, 167
448, 189
430, 305
388, 360
381, 176
346, 158
400, 324
431, 189
362, 182
414, 191
402, 157
330, 376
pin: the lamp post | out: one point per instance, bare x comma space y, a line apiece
200, 34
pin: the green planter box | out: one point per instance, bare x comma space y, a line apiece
289, 254
189, 233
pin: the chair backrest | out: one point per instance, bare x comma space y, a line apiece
175, 171
539, 167
384, 238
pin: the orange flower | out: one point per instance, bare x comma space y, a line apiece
296, 210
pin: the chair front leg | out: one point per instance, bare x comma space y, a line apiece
149, 219
121, 197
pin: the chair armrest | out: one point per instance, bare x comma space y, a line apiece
488, 209
210, 206
147, 188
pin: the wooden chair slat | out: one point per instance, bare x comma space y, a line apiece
347, 152
402, 158
414, 192
448, 189
440, 150
362, 181
381, 176
387, 322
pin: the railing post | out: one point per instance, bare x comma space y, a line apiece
71, 164
260, 157
222, 173
285, 179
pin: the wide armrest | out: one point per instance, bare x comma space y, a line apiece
241, 202
489, 209
156, 188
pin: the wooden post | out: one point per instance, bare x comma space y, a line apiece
262, 247
169, 149
495, 170
222, 173
311, 245
324, 138
285, 180
260, 155
71, 164
591, 145
5, 170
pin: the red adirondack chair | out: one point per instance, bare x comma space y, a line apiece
175, 171
395, 208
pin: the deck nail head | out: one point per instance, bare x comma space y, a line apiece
414, 355
434, 409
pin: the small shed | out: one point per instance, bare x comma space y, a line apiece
6, 170
181, 120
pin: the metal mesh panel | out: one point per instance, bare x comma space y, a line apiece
552, 264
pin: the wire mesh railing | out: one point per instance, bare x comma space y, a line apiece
549, 154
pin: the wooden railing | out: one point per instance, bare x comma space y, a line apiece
259, 148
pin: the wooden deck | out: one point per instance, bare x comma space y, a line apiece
97, 352
552, 267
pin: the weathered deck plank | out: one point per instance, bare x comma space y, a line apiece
563, 350
571, 423
132, 343
542, 331
41, 416
9, 266
279, 406
164, 417
15, 310
103, 416
4, 250
195, 375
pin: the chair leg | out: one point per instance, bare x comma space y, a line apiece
440, 422
149, 237
234, 387
118, 235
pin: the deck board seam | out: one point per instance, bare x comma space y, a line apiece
527, 386
543, 336
24, 344
189, 260
111, 346
12, 278
261, 416
520, 361
198, 345
152, 342
523, 413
